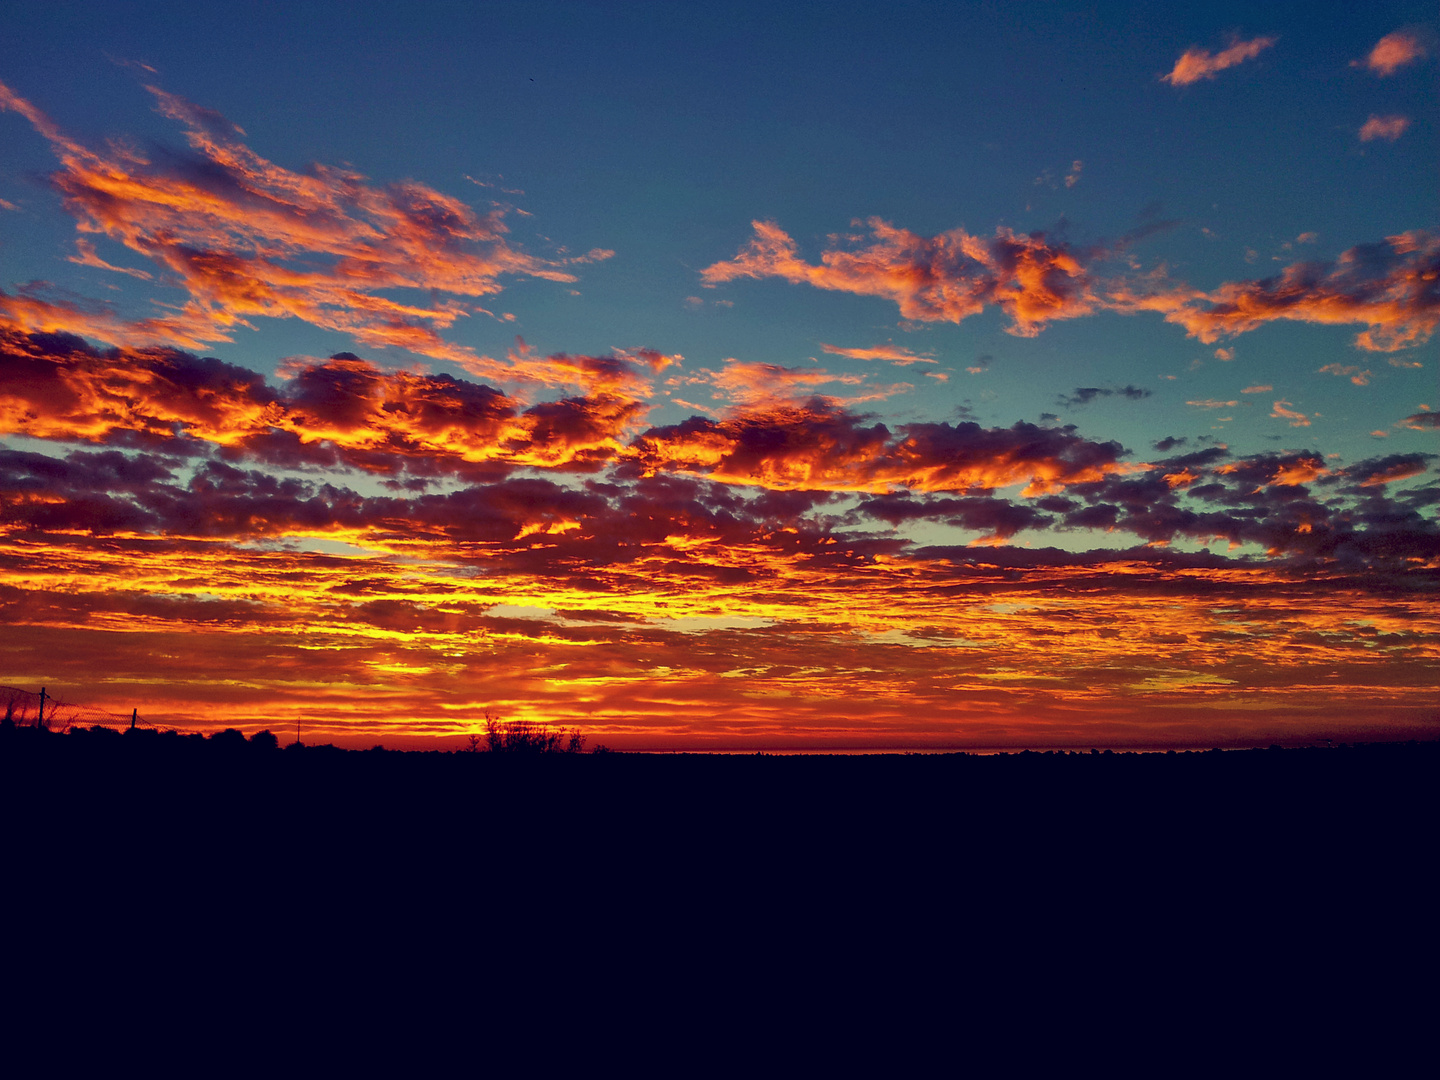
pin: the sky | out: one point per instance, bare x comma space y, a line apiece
738, 377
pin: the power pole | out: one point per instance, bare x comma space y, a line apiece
40, 720
133, 713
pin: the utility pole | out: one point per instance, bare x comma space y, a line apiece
40, 720
133, 713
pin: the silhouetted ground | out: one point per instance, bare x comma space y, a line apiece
906, 814
1175, 892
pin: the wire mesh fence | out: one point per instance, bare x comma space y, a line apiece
25, 708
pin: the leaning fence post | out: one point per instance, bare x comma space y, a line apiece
132, 718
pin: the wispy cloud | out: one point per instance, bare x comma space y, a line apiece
1284, 410
1197, 63
1085, 394
1358, 376
896, 354
1385, 287
945, 278
1389, 288
247, 238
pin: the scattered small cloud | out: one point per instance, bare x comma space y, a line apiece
895, 354
1085, 394
1073, 176
1401, 362
1284, 410
1358, 376
1212, 403
1170, 442
1196, 63
1307, 238
1391, 53
1264, 389
1379, 434
1424, 420
1224, 354
939, 376
1388, 128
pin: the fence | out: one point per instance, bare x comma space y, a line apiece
26, 709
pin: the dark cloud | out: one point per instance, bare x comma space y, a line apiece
1083, 395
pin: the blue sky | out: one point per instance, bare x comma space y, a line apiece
660, 131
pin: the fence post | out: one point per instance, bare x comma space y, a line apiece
132, 718
40, 719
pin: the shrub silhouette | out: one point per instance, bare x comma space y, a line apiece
528, 737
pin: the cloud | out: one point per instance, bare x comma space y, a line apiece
1212, 403
997, 519
896, 354
945, 278
1391, 53
1259, 389
748, 385
1358, 376
340, 412
813, 447
1085, 394
1197, 63
1073, 176
247, 238
1421, 421
1388, 128
1390, 288
1283, 410
1374, 472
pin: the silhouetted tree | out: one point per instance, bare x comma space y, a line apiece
230, 738
264, 740
529, 737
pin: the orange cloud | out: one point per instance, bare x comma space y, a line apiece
343, 411
1356, 375
30, 312
248, 238
1391, 53
896, 354
1197, 63
1265, 389
946, 278
1388, 288
1424, 420
750, 386
1385, 287
810, 447
1283, 410
1388, 128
